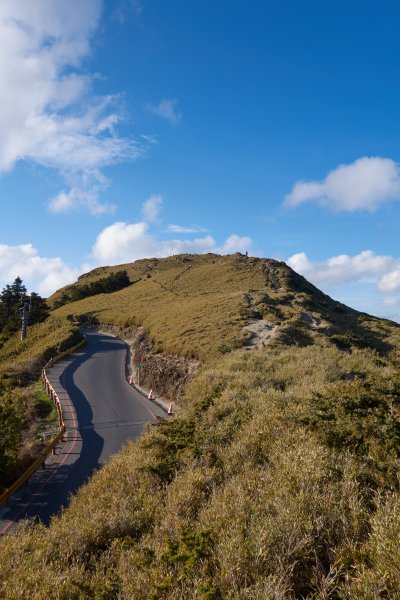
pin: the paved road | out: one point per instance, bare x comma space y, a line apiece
101, 412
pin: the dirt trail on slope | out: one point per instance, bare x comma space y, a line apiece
262, 331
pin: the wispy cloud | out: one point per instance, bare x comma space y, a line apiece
364, 184
179, 229
49, 113
391, 301
84, 193
151, 208
167, 109
124, 7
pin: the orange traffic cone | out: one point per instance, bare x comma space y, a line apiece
150, 396
170, 409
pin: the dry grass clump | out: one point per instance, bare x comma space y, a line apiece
241, 496
378, 575
120, 502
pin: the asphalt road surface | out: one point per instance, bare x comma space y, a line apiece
101, 412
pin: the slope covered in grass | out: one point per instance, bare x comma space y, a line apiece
257, 490
198, 305
278, 479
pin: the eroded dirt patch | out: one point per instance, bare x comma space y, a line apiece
310, 320
262, 333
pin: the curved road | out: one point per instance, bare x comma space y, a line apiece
101, 412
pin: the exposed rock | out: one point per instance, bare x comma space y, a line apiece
310, 320
262, 333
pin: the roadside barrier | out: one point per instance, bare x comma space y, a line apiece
40, 461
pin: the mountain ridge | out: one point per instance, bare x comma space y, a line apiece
191, 283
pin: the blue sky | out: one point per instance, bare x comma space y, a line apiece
134, 128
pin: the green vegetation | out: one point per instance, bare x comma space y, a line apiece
46, 411
12, 298
25, 411
279, 478
12, 422
106, 285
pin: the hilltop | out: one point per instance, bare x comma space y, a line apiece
279, 476
199, 305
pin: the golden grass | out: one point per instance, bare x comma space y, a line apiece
239, 497
279, 478
193, 311
197, 306
44, 340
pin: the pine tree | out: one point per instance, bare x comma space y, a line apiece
38, 310
18, 290
12, 299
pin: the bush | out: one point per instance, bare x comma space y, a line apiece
12, 423
106, 285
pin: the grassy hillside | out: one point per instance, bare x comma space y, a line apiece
197, 305
278, 479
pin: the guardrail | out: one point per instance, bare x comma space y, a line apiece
8, 492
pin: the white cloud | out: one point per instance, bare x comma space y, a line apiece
366, 267
179, 229
65, 202
343, 268
391, 281
151, 208
362, 185
43, 275
167, 109
126, 242
118, 243
48, 112
236, 243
